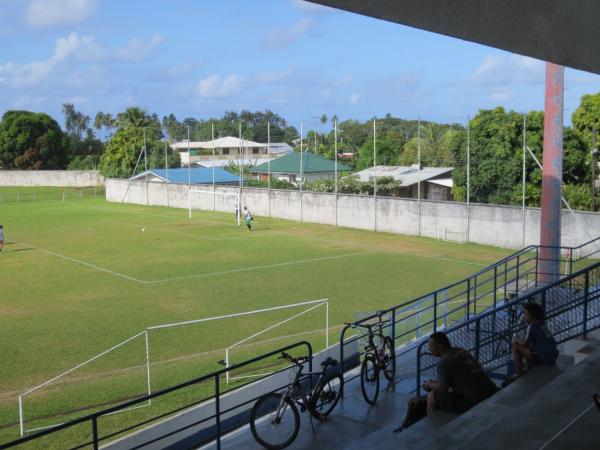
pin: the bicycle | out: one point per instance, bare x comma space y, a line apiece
378, 357
274, 419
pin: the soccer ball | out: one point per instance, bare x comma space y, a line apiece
143, 229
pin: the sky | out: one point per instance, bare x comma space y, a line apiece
200, 58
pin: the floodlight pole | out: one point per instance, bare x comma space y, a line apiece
301, 153
375, 174
335, 151
419, 170
524, 174
269, 165
467, 237
189, 175
212, 133
146, 165
594, 155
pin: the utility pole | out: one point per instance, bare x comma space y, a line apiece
594, 154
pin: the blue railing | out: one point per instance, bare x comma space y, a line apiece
572, 306
510, 277
94, 438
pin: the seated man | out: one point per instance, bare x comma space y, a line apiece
538, 347
461, 383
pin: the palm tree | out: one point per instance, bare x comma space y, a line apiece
133, 117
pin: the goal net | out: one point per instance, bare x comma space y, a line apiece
215, 201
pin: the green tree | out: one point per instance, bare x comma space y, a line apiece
586, 117
31, 140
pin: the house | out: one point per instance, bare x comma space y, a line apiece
194, 175
228, 149
288, 168
436, 182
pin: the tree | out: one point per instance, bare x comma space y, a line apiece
31, 140
586, 117
76, 122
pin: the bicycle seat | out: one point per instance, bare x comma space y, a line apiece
329, 362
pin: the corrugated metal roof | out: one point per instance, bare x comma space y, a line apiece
311, 163
198, 175
407, 175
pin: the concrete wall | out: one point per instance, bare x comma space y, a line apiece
500, 226
71, 178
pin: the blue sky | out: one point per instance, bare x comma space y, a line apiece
199, 58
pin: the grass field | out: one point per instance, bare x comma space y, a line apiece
80, 276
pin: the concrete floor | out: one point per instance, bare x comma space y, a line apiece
550, 408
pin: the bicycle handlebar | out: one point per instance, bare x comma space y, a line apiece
298, 361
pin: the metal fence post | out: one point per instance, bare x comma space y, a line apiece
435, 311
95, 432
218, 411
585, 303
517, 277
477, 343
468, 297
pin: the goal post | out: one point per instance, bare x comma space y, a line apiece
215, 201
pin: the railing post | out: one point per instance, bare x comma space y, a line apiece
496, 285
518, 273
95, 432
505, 276
585, 303
537, 263
419, 370
342, 359
435, 311
477, 325
394, 328
218, 411
468, 297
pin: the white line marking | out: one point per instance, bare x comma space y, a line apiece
563, 429
269, 266
78, 261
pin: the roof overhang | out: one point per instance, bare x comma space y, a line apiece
564, 32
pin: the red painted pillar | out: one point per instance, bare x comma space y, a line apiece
549, 265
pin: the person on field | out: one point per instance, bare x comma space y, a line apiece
538, 347
1, 237
462, 383
248, 218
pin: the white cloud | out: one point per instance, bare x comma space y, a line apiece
503, 70
138, 49
72, 47
354, 98
215, 86
284, 37
52, 13
274, 77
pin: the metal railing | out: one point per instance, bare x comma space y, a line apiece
572, 306
94, 437
510, 277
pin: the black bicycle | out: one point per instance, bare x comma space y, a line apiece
379, 356
275, 420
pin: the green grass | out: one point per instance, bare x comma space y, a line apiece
80, 276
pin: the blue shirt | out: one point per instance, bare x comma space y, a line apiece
542, 344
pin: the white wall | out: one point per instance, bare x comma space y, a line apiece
500, 226
70, 178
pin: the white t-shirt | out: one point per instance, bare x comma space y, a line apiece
248, 215
1, 234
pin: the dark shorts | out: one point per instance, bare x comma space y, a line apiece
452, 402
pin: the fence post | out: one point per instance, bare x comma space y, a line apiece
496, 285
394, 327
517, 278
435, 311
468, 297
21, 415
537, 263
477, 343
95, 432
218, 411
585, 303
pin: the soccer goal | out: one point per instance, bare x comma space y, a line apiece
215, 201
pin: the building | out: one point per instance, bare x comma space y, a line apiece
436, 182
288, 168
228, 149
194, 175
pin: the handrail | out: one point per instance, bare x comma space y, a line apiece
514, 269
579, 297
93, 417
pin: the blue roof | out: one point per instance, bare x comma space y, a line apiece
198, 175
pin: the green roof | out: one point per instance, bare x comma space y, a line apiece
290, 163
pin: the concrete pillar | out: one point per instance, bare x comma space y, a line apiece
549, 266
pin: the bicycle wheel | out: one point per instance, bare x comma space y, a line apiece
369, 379
274, 421
325, 397
389, 358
